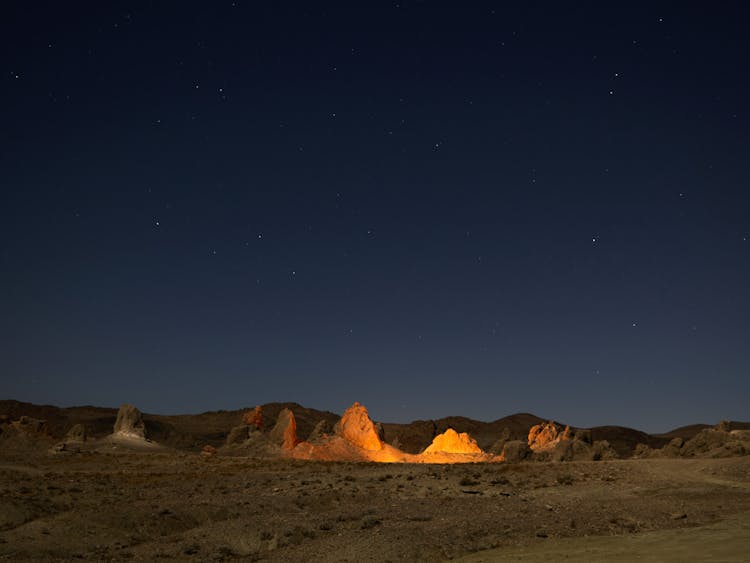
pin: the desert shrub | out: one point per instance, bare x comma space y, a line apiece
369, 521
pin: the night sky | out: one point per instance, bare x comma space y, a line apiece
431, 208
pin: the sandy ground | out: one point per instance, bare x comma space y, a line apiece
135, 505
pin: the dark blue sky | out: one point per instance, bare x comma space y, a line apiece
431, 208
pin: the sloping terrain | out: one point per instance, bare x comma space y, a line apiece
148, 506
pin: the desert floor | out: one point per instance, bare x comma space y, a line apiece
125, 505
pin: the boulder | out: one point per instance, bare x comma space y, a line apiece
673, 448
357, 428
452, 442
284, 433
565, 450
515, 451
129, 422
603, 450
643, 451
573, 449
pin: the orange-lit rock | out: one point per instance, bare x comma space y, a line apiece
452, 442
547, 435
284, 434
356, 427
254, 418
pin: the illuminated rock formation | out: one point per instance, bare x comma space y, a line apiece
452, 442
129, 423
284, 434
254, 418
356, 427
356, 438
547, 435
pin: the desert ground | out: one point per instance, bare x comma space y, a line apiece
113, 505
285, 483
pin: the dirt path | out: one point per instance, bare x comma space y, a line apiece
727, 541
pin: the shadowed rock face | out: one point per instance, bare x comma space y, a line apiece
356, 427
515, 451
76, 434
452, 442
130, 422
284, 434
239, 434
321, 430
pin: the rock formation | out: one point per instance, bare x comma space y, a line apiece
452, 442
673, 448
547, 435
129, 423
603, 450
718, 441
239, 434
515, 451
356, 427
254, 418
322, 429
77, 433
499, 444
284, 434
566, 450
31, 425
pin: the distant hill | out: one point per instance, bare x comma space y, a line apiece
193, 431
